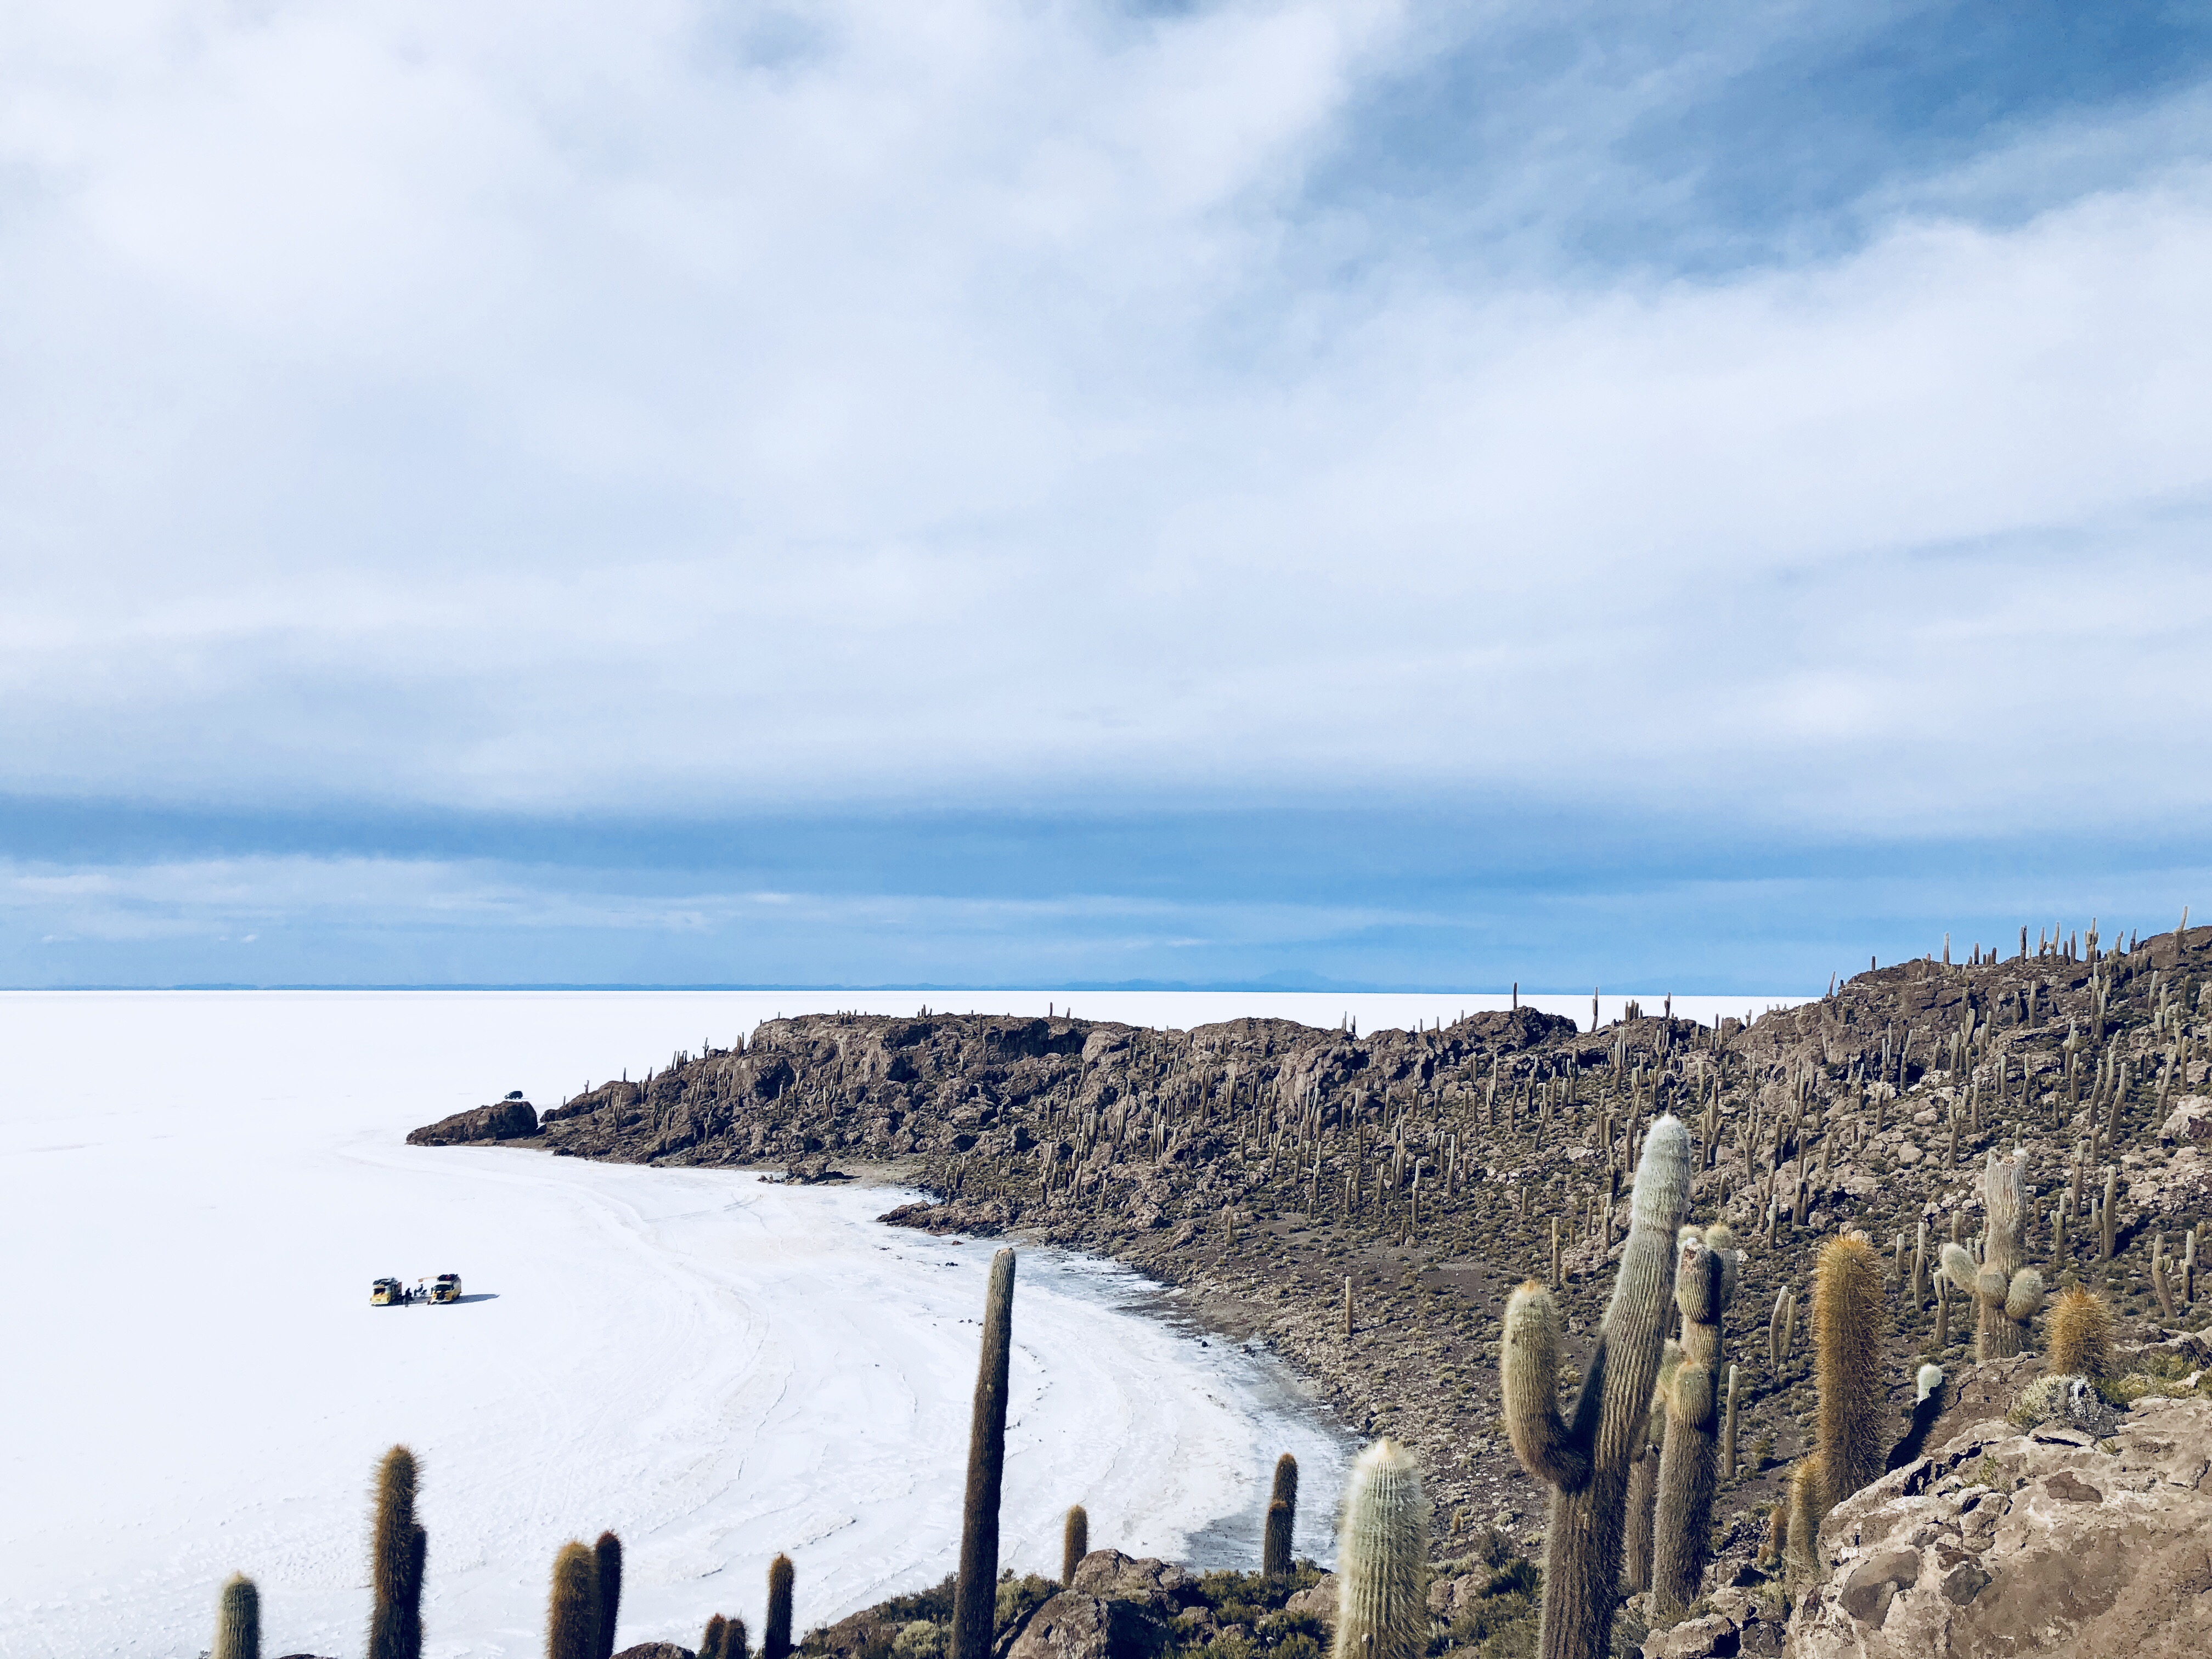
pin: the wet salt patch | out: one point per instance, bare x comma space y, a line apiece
716, 1367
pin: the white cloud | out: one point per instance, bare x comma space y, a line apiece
565, 407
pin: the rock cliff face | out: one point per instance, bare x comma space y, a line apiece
2006, 1543
1363, 1204
505, 1120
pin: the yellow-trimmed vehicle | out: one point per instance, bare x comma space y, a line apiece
384, 1293
446, 1287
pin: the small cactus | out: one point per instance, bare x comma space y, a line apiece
775, 1629
975, 1606
1643, 1495
710, 1644
572, 1615
1276, 1542
1585, 1458
1382, 1558
607, 1556
1074, 1543
2080, 1336
2006, 1294
1706, 1264
238, 1620
396, 1546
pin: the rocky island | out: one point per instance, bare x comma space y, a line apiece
1365, 1205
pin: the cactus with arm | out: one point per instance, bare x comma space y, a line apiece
1584, 1457
2006, 1294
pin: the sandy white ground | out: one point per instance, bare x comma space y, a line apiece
198, 1188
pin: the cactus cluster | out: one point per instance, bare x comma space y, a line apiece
2006, 1294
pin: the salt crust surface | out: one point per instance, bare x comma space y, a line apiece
198, 1188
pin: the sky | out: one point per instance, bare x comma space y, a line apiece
1331, 493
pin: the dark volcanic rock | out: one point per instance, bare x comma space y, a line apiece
503, 1120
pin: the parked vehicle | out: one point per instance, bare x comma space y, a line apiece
446, 1287
386, 1294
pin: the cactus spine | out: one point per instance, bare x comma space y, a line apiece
1705, 1267
572, 1618
1585, 1459
775, 1629
2006, 1294
1074, 1543
1382, 1558
397, 1548
1275, 1543
1847, 1449
238, 1620
975, 1607
607, 1556
2081, 1335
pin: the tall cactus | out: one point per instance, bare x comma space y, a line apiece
1848, 1316
2006, 1294
975, 1606
607, 1555
396, 1546
1382, 1558
1705, 1284
1074, 1543
572, 1613
1585, 1458
238, 1620
775, 1629
1276, 1543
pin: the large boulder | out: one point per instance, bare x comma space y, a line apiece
1317, 1600
503, 1120
2008, 1543
656, 1651
1074, 1625
1113, 1577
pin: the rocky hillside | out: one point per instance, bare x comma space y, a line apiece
1264, 1166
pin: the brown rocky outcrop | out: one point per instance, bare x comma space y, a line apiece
2006, 1543
1073, 1626
656, 1651
503, 1120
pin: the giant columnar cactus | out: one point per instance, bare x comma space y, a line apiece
1847, 1436
607, 1554
1276, 1542
775, 1629
1585, 1457
397, 1548
572, 1615
975, 1606
2006, 1294
2081, 1335
1074, 1543
238, 1620
1382, 1558
1705, 1284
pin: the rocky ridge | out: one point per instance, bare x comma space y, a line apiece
1256, 1166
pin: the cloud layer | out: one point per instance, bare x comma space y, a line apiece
692, 410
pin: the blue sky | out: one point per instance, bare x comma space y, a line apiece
1068, 494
